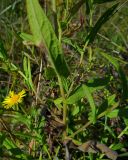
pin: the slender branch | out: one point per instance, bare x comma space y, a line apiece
99, 116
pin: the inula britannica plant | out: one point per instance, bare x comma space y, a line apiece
63, 79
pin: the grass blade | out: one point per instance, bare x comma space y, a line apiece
103, 19
102, 1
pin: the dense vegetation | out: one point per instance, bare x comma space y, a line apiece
63, 79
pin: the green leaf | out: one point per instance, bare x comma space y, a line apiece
49, 73
102, 1
110, 130
75, 110
2, 138
65, 83
9, 144
121, 112
25, 135
58, 102
81, 92
27, 70
77, 95
27, 37
123, 155
117, 146
93, 85
107, 103
18, 117
74, 9
104, 18
98, 83
44, 36
78, 5
72, 44
3, 53
13, 149
122, 75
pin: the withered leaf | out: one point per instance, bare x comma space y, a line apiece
94, 147
88, 146
107, 151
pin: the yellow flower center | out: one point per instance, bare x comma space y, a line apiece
15, 99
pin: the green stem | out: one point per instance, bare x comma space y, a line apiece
90, 54
90, 122
54, 5
81, 58
90, 25
67, 6
123, 132
91, 13
64, 103
60, 83
82, 53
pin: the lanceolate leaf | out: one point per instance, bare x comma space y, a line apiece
44, 36
107, 103
78, 5
122, 75
104, 18
27, 37
98, 83
82, 92
3, 53
102, 1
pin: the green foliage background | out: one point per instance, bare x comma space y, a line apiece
71, 58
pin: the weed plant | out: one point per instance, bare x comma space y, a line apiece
63, 79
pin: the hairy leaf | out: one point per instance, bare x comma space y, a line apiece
44, 36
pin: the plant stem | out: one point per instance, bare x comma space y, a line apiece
81, 129
64, 103
60, 83
90, 56
90, 25
90, 122
82, 53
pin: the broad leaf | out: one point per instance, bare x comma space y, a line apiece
121, 112
44, 36
98, 83
110, 101
82, 92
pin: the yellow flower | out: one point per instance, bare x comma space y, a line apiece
13, 99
